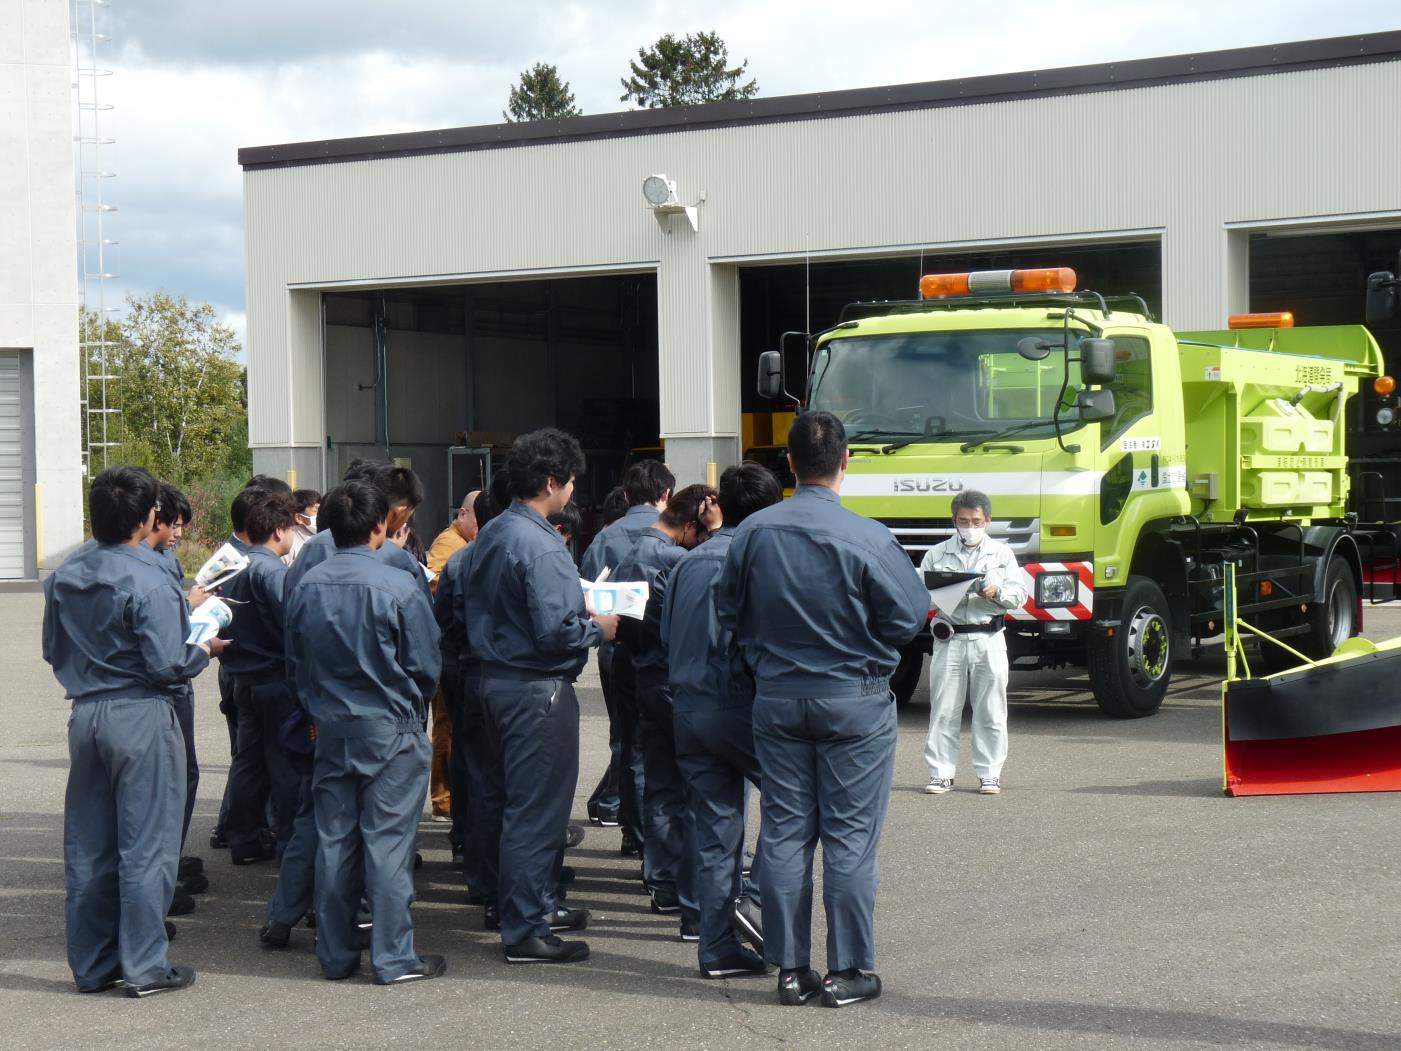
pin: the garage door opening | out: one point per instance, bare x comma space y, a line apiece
421, 374
795, 297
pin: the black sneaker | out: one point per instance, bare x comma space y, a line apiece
546, 950
103, 984
275, 935
342, 977
604, 820
181, 904
311, 921
491, 918
218, 840
798, 986
631, 847
176, 979
253, 855
429, 966
747, 920
690, 930
838, 990
366, 930
573, 836
569, 919
458, 861
665, 902
742, 963
195, 883
169, 931
567, 874
189, 867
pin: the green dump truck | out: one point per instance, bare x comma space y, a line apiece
1126, 464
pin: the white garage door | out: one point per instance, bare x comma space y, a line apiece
11, 471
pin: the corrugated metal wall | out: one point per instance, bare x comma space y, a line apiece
1183, 160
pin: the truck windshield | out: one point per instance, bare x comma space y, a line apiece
945, 383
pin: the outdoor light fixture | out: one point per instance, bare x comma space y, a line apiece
660, 193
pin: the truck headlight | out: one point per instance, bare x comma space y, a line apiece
1057, 589
1385, 415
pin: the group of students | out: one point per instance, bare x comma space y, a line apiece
763, 659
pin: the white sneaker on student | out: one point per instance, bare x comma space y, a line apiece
989, 786
938, 786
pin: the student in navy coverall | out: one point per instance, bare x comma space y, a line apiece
669, 854
527, 626
713, 699
114, 633
646, 486
362, 646
820, 600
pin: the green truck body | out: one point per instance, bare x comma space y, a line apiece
1215, 446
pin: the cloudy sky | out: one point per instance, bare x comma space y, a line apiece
194, 81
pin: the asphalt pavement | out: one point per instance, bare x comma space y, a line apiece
1111, 897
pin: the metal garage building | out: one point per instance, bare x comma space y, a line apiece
407, 289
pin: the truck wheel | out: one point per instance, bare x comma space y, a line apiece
906, 678
1130, 670
1333, 615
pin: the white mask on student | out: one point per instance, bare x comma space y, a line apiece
310, 523
972, 536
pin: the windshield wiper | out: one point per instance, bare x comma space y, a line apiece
921, 439
997, 437
867, 435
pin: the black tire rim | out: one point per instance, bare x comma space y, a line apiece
1147, 647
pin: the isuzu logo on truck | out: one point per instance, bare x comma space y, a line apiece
926, 485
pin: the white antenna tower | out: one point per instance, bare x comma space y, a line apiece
90, 20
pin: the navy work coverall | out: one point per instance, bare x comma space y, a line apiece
184, 701
713, 701
257, 663
669, 858
619, 793
114, 633
820, 599
227, 709
528, 627
362, 646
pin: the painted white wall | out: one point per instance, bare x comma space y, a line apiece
38, 268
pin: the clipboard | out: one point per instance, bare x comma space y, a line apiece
947, 588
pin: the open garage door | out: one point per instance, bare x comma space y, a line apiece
420, 375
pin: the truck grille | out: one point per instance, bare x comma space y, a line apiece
918, 535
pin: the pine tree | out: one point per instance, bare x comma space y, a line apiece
685, 72
540, 95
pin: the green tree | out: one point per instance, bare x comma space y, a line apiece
540, 95
180, 392
685, 72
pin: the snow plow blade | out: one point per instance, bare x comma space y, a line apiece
1334, 726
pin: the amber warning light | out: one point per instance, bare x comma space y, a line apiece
980, 282
1284, 319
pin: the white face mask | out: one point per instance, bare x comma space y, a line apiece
971, 536
310, 523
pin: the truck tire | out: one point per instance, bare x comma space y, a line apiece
1333, 616
907, 675
1130, 670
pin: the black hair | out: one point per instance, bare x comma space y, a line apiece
173, 507
304, 498
399, 485
646, 482
615, 505
685, 505
500, 490
746, 488
352, 510
119, 501
566, 520
269, 482
540, 456
267, 514
246, 498
360, 470
485, 508
413, 544
973, 500
816, 442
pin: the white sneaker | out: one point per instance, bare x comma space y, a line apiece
938, 786
989, 786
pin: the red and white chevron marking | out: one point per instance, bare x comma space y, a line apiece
1082, 610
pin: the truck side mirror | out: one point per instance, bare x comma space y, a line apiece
1095, 404
770, 374
1097, 360
1033, 348
1381, 296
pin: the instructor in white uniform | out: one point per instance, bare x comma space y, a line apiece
972, 664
